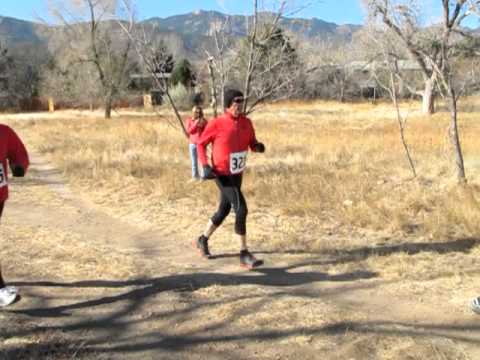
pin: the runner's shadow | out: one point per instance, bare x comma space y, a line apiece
145, 288
117, 314
357, 254
280, 277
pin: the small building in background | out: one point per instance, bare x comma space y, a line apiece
366, 75
147, 86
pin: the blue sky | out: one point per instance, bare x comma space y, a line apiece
339, 11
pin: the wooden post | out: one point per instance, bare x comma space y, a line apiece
147, 102
51, 105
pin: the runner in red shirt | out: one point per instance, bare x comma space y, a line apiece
13, 153
231, 136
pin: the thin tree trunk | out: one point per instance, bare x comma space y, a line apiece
222, 96
401, 124
175, 110
108, 106
342, 91
213, 87
428, 103
251, 58
455, 138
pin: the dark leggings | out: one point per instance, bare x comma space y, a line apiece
231, 195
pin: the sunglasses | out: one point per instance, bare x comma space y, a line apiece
238, 100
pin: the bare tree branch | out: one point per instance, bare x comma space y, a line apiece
151, 57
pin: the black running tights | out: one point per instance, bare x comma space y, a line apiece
231, 195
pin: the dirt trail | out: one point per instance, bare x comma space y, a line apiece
172, 304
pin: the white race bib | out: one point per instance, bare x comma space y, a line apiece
3, 176
238, 161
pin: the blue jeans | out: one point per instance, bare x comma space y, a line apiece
194, 156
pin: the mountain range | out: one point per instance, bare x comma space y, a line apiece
190, 30
200, 23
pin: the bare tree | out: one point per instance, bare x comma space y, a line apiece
440, 53
453, 15
403, 18
394, 73
213, 85
70, 82
270, 64
93, 36
264, 63
152, 52
20, 66
220, 60
6, 65
392, 83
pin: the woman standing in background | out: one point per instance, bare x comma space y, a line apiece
195, 126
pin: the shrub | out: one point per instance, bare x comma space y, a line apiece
181, 97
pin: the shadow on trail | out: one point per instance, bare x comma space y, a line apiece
113, 334
264, 276
383, 328
112, 321
112, 324
170, 344
362, 253
459, 245
276, 277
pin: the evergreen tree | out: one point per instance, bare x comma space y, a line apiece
183, 74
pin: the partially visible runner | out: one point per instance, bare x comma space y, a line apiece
13, 153
195, 126
475, 305
231, 135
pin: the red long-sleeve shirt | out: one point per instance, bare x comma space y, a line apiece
13, 153
194, 130
230, 138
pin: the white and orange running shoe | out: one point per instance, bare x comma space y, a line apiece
8, 295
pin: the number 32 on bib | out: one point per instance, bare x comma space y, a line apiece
238, 161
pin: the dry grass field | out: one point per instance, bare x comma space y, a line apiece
326, 162
333, 192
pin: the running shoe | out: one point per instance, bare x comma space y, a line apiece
8, 295
202, 246
249, 261
12, 289
475, 305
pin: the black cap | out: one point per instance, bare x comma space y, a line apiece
230, 95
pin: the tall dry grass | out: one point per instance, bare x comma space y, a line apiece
325, 163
